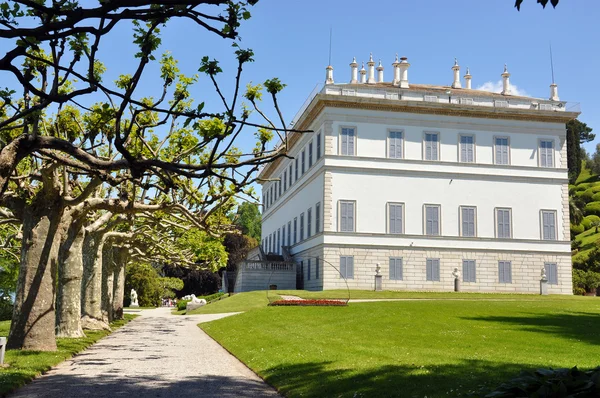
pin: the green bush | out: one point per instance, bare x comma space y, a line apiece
577, 229
592, 208
549, 383
589, 221
6, 309
586, 281
182, 304
146, 282
596, 197
583, 186
586, 195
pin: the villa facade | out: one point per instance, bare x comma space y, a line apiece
420, 180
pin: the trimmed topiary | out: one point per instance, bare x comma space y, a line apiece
588, 221
592, 208
577, 229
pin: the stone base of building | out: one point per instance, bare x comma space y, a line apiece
526, 269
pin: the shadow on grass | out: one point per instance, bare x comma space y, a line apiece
581, 326
111, 385
471, 378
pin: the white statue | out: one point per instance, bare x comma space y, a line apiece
134, 299
456, 273
377, 269
543, 274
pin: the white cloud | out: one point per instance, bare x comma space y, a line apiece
496, 87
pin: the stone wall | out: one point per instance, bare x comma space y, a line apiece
526, 269
260, 277
312, 254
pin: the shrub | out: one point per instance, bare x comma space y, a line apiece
146, 282
195, 281
586, 195
549, 383
586, 281
6, 308
182, 304
583, 186
577, 229
592, 208
588, 221
596, 197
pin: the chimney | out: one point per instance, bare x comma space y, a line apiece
468, 79
329, 75
396, 66
505, 82
403, 66
554, 92
371, 65
456, 69
380, 73
354, 71
363, 74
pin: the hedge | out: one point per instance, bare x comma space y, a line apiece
589, 220
592, 208
577, 229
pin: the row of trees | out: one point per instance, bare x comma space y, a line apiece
94, 175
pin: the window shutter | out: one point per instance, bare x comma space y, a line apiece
317, 268
436, 220
350, 212
399, 269
463, 149
436, 270
428, 271
350, 267
308, 270
351, 142
428, 154
344, 141
343, 216
434, 147
392, 148
392, 268
343, 266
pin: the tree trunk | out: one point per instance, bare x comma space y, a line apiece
91, 288
107, 282
70, 272
33, 320
121, 258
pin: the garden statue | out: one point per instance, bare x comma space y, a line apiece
456, 275
543, 274
377, 269
134, 299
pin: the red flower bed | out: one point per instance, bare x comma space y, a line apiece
323, 303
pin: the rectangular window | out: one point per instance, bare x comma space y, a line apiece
290, 174
503, 227
310, 154
430, 98
308, 270
433, 269
318, 147
395, 145
501, 104
318, 218
347, 267
301, 226
295, 230
396, 268
285, 181
317, 268
278, 249
546, 153
395, 211
548, 225
431, 146
309, 223
282, 237
270, 248
271, 195
302, 270
467, 221
504, 272
279, 185
347, 141
467, 149
551, 273
346, 216
432, 220
289, 230
303, 160
501, 150
468, 271
296, 170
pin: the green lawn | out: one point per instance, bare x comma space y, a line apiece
26, 365
236, 303
436, 348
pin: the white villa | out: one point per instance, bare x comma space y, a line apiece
420, 180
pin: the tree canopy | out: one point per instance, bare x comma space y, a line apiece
542, 2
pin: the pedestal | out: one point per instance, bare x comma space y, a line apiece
2, 349
457, 285
544, 287
378, 283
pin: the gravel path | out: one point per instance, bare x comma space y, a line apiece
155, 355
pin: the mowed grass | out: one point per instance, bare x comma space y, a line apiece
26, 365
236, 303
436, 348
